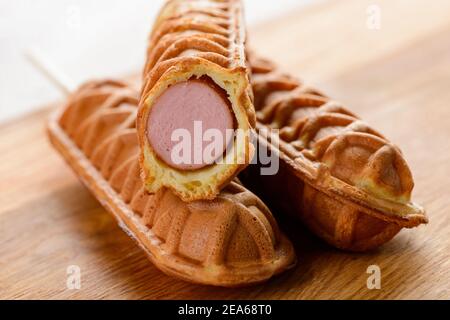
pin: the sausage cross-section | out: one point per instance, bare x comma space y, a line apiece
185, 115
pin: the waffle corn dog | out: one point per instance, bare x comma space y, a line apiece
232, 241
347, 182
196, 79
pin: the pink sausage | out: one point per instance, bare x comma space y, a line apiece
179, 107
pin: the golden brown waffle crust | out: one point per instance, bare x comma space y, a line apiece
303, 160
346, 181
159, 251
192, 40
407, 215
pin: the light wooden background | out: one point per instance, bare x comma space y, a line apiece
397, 78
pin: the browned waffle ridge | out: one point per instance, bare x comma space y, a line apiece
194, 39
230, 241
347, 182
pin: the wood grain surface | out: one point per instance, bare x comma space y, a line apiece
397, 78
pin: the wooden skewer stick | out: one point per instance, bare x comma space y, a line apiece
58, 78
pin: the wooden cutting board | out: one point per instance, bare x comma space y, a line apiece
397, 78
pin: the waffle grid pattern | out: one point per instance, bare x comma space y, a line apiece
348, 183
195, 39
232, 234
210, 30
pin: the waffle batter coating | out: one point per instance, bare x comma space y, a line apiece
230, 241
196, 71
347, 182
